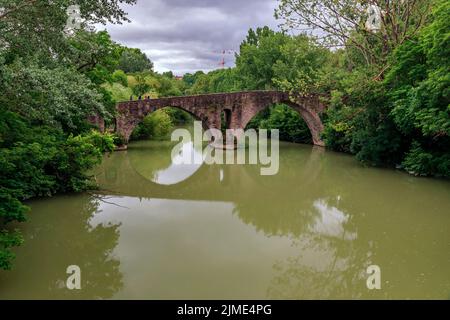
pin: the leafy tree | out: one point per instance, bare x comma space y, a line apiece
223, 80
201, 85
178, 116
299, 69
35, 28
168, 87
141, 86
120, 77
168, 74
60, 96
189, 79
94, 54
343, 23
134, 60
155, 126
118, 92
403, 120
258, 54
418, 84
358, 120
9, 239
270, 60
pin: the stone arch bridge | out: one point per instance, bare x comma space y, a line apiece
238, 109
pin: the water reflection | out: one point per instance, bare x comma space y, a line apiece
158, 166
225, 231
60, 235
331, 222
330, 263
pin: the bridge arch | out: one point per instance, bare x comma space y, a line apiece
130, 115
309, 115
309, 110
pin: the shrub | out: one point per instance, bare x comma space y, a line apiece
120, 77
155, 126
421, 162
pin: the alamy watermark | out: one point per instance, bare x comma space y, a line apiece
74, 280
235, 147
74, 19
374, 280
373, 22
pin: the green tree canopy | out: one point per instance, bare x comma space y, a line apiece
259, 52
134, 60
36, 27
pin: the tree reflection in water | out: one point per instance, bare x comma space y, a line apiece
67, 219
329, 265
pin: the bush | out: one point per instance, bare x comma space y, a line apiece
118, 91
7, 241
420, 162
155, 126
79, 154
178, 116
120, 77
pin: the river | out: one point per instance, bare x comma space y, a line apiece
157, 230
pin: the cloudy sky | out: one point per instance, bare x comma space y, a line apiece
184, 35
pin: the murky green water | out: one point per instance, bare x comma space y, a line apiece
162, 231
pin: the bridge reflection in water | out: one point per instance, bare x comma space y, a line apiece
149, 172
320, 202
227, 232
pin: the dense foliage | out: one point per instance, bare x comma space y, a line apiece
402, 118
134, 60
50, 83
287, 120
155, 126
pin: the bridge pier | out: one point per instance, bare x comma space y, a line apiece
98, 122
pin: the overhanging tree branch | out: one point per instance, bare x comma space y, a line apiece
18, 7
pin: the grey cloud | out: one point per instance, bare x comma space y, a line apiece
182, 35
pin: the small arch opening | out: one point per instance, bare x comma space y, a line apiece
225, 118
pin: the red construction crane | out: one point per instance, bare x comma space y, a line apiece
224, 53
